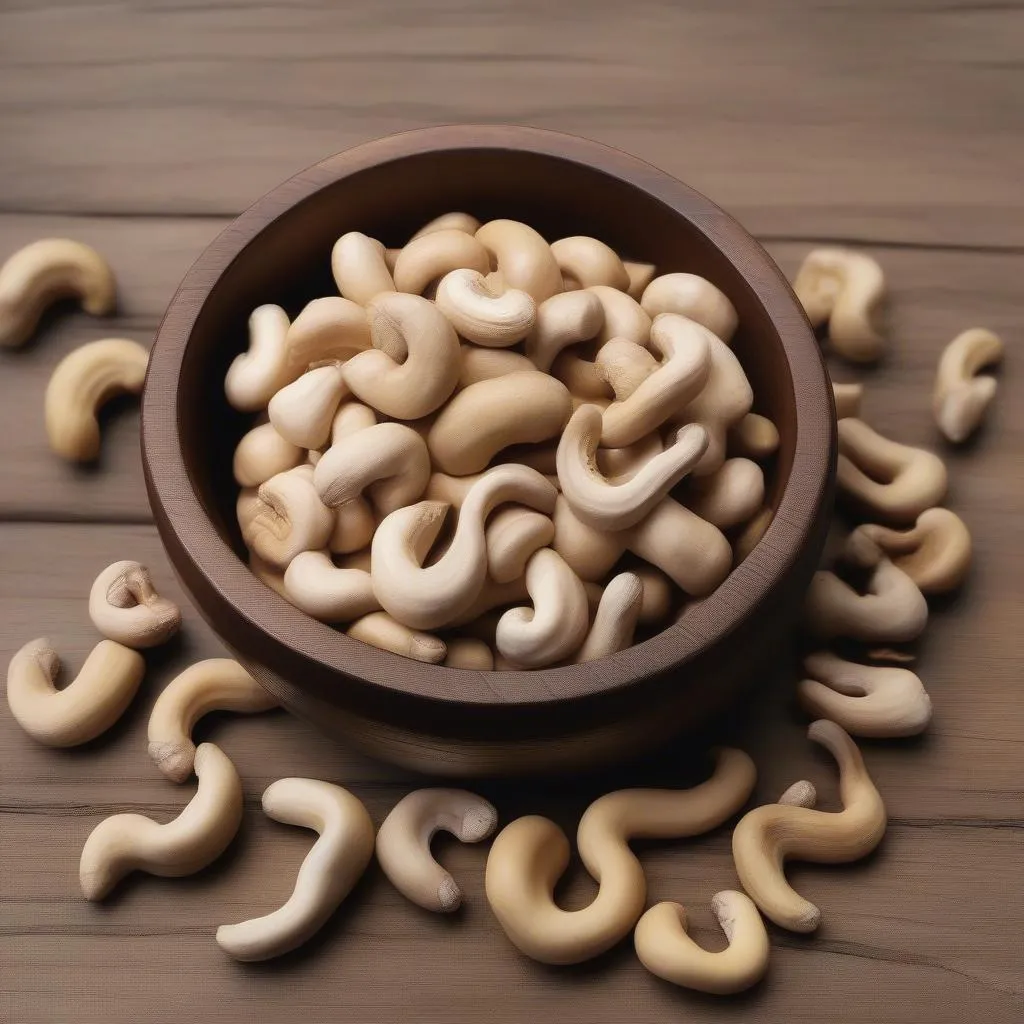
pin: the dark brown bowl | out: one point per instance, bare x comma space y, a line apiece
450, 721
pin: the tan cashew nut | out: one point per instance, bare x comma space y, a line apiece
314, 584
198, 836
624, 366
302, 411
693, 297
403, 843
257, 374
766, 836
513, 534
866, 700
623, 317
523, 258
622, 464
892, 481
640, 276
482, 316
332, 867
667, 951
43, 272
83, 381
263, 453
331, 329
429, 257
962, 397
589, 552
414, 364
124, 606
378, 629
565, 319
486, 417
530, 855
843, 287
753, 437
615, 620
486, 363
359, 267
455, 221
82, 710
588, 261
847, 398
729, 496
469, 652
216, 684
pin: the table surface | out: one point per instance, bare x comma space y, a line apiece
143, 127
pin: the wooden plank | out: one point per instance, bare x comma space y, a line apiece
795, 119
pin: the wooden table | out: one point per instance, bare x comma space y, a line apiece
143, 127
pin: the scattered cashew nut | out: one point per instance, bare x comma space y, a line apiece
962, 396
125, 607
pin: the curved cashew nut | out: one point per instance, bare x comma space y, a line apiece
753, 437
353, 528
414, 363
608, 506
667, 951
581, 376
82, 710
729, 496
378, 629
935, 553
482, 316
893, 481
623, 317
360, 268
198, 836
513, 535
693, 297
800, 794
866, 700
589, 552
622, 464
330, 870
388, 460
302, 411
83, 381
216, 684
847, 398
125, 607
426, 597
257, 374
469, 652
455, 221
962, 397
766, 836
486, 363
615, 621
478, 616
403, 843
486, 417
589, 261
523, 258
529, 855
45, 271
428, 257
640, 276
263, 453
751, 534
624, 366
328, 330
565, 319
843, 287
315, 585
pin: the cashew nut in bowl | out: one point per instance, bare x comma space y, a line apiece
350, 418
935, 553
624, 366
389, 461
302, 411
962, 397
622, 464
866, 700
403, 843
565, 319
257, 374
693, 297
640, 276
486, 363
318, 587
378, 629
216, 684
529, 856
41, 273
667, 951
332, 867
469, 652
124, 606
480, 617
766, 836
892, 481
486, 417
429, 257
589, 261
427, 597
657, 594
360, 269
84, 709
513, 534
455, 221
750, 536
729, 496
589, 552
523, 258
581, 376
843, 287
414, 364
623, 317
615, 620
263, 453
610, 506
353, 528
485, 317
83, 381
328, 330
847, 398
753, 437
198, 836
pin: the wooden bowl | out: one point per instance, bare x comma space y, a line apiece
427, 717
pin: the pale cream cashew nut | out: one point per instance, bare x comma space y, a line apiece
263, 453
257, 374
589, 552
484, 316
729, 496
565, 319
512, 535
588, 261
380, 630
302, 411
623, 317
962, 396
622, 464
454, 221
694, 297
428, 257
328, 330
360, 268
315, 585
523, 258
125, 607
615, 620
486, 363
624, 366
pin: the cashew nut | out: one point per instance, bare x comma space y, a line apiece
523, 258
482, 316
414, 363
257, 374
216, 684
302, 411
753, 437
589, 261
729, 496
892, 481
125, 607
847, 398
84, 709
314, 584
486, 417
354, 524
667, 951
449, 221
766, 836
589, 552
45, 271
380, 630
330, 329
866, 700
350, 418
263, 453
693, 297
581, 376
962, 397
198, 836
486, 363
83, 381
640, 276
624, 366
622, 464
800, 794
359, 267
332, 867
843, 287
615, 620
513, 535
564, 319
529, 855
403, 843
492, 596
751, 534
428, 257
468, 652
623, 317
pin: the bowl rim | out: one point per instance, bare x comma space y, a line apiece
176, 504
